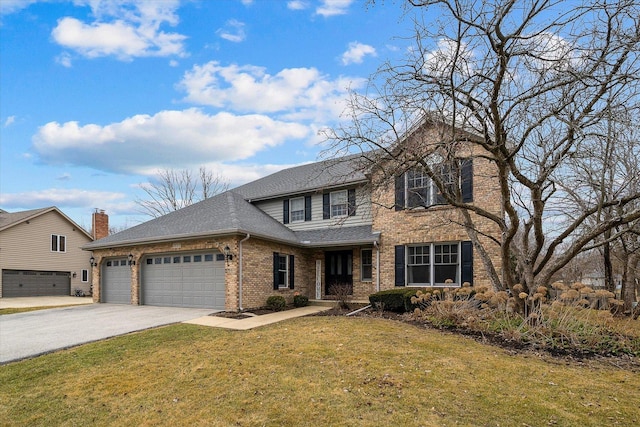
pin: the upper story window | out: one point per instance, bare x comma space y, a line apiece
416, 189
339, 206
58, 243
297, 209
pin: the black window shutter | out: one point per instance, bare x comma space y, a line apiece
285, 211
307, 208
291, 272
467, 180
399, 266
276, 265
351, 202
466, 250
326, 206
399, 185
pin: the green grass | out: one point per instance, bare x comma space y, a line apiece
315, 371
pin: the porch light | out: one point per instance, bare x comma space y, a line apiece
227, 253
92, 261
131, 261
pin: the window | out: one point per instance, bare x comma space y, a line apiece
415, 189
339, 203
186, 258
58, 243
418, 265
283, 271
208, 257
85, 276
197, 258
366, 264
434, 264
297, 209
167, 260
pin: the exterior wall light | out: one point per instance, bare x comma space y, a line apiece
92, 260
227, 253
131, 261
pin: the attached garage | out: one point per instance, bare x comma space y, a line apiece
25, 283
116, 281
184, 280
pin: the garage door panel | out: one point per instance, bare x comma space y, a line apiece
116, 282
184, 280
24, 283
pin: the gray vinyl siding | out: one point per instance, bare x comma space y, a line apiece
273, 208
28, 247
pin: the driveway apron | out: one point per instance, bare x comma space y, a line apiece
30, 334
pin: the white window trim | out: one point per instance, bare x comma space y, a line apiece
362, 265
432, 265
58, 236
346, 204
291, 213
286, 283
84, 274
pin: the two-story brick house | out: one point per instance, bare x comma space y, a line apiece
306, 230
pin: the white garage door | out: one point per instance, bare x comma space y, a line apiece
184, 280
116, 281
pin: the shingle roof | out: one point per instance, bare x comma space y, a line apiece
7, 219
300, 179
232, 213
338, 236
226, 213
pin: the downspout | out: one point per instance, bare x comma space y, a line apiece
240, 272
375, 243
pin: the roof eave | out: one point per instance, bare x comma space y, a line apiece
307, 191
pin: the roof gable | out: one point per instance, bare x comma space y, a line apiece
10, 219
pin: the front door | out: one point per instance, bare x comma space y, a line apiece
338, 272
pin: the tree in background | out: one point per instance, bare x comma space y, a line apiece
533, 82
175, 189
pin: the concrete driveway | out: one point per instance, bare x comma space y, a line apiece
30, 334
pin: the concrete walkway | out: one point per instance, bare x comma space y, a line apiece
257, 321
25, 302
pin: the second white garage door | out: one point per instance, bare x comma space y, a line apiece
184, 280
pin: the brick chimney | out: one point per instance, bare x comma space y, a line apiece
100, 224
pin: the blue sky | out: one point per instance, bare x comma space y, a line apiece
96, 96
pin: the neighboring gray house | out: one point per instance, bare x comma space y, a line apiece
40, 254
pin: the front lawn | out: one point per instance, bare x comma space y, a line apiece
315, 371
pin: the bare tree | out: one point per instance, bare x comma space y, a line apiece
175, 189
526, 84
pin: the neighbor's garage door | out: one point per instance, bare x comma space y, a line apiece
116, 281
20, 283
184, 280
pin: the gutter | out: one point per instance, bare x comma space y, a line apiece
375, 244
240, 270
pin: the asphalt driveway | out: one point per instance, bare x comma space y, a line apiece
33, 333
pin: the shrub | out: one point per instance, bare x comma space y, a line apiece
300, 301
397, 299
276, 303
341, 292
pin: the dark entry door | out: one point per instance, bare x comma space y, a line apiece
338, 272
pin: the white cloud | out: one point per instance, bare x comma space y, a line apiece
64, 59
233, 31
333, 7
58, 197
10, 120
12, 6
124, 29
300, 93
179, 139
297, 5
356, 53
